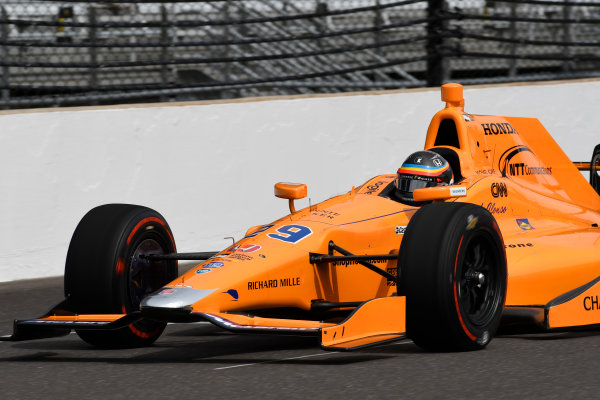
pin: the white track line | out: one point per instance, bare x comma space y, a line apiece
282, 359
294, 358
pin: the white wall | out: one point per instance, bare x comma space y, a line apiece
210, 169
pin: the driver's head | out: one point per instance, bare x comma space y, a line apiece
421, 170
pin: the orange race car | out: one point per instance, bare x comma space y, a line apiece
491, 225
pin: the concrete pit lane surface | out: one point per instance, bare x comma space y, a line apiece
203, 361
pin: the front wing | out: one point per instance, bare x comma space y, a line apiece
376, 321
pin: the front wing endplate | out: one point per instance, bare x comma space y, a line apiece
374, 322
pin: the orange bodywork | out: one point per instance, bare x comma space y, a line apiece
547, 212
83, 318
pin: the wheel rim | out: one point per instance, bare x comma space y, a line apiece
145, 276
480, 282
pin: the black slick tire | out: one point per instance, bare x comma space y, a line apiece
453, 273
595, 169
105, 273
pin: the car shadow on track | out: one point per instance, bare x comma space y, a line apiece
201, 344
542, 336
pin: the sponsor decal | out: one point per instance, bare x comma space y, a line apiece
485, 171
516, 245
499, 189
325, 214
372, 188
203, 270
167, 291
232, 248
274, 283
236, 253
238, 256
493, 209
471, 222
400, 230
437, 162
500, 128
213, 265
346, 263
524, 224
259, 285
286, 282
249, 248
507, 167
517, 169
458, 191
233, 293
291, 233
219, 256
392, 271
420, 178
591, 303
260, 230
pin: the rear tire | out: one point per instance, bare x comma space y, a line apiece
595, 169
454, 276
104, 273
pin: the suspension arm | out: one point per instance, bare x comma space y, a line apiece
361, 259
205, 255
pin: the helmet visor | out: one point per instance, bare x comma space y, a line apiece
409, 184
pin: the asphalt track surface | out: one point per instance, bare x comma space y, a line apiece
202, 361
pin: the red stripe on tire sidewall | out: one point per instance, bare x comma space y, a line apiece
462, 322
145, 221
120, 266
144, 335
137, 332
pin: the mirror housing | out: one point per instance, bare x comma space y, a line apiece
290, 191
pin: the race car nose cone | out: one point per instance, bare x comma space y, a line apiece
175, 298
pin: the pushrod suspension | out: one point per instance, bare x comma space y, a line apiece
361, 259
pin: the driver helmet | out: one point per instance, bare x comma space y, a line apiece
422, 169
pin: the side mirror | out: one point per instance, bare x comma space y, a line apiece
290, 191
439, 193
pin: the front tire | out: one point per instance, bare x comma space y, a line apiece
454, 276
105, 273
